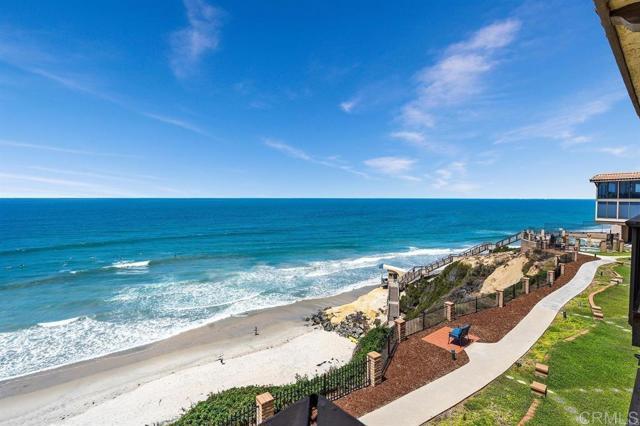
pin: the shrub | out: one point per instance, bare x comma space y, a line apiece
374, 340
217, 407
422, 294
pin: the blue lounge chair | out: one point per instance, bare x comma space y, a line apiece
459, 334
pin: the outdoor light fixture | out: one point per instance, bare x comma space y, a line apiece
453, 354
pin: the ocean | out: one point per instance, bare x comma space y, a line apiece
84, 278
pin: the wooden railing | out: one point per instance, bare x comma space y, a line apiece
418, 272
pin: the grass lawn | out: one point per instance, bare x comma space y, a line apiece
615, 253
591, 368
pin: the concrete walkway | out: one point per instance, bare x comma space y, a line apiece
487, 361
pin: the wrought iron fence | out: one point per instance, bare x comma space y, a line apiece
244, 416
475, 304
389, 350
427, 319
486, 302
332, 385
413, 326
509, 293
466, 307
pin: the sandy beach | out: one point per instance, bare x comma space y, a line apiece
156, 381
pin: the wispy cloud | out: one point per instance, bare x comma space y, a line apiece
27, 55
419, 139
458, 75
40, 179
376, 93
563, 124
487, 158
14, 144
333, 162
452, 178
183, 124
101, 175
413, 137
79, 86
202, 35
287, 149
397, 167
348, 106
44, 186
618, 151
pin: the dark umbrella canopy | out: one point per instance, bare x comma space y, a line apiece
314, 410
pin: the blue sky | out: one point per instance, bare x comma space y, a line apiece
309, 99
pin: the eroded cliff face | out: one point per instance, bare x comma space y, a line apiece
473, 276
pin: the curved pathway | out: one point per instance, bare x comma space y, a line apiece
487, 361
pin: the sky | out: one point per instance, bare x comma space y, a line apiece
195, 98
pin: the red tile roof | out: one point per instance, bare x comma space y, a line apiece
603, 177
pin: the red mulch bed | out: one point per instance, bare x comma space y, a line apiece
417, 363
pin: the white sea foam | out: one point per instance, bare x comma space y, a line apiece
52, 324
130, 265
177, 306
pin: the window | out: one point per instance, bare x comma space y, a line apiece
629, 210
629, 189
602, 190
623, 211
602, 209
607, 210
608, 190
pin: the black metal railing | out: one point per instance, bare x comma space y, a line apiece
334, 384
427, 319
475, 304
244, 416
389, 350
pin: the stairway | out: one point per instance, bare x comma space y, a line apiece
417, 272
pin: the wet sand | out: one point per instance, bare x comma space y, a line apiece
57, 395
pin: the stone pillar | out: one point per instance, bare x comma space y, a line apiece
265, 407
621, 246
525, 285
575, 255
500, 297
562, 266
551, 275
449, 310
603, 246
401, 329
374, 367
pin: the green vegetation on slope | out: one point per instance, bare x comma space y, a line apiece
424, 293
591, 374
373, 341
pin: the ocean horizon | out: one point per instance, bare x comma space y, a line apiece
82, 278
